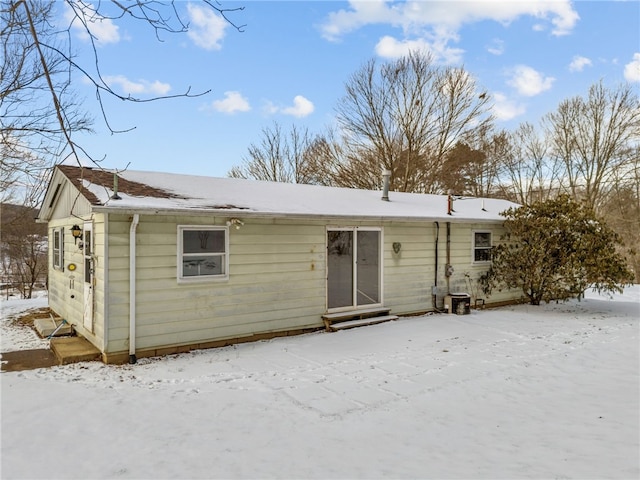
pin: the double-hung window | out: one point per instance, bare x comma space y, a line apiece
58, 248
481, 246
202, 253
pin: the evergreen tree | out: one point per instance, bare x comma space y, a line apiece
555, 250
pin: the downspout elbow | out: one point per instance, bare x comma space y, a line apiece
132, 288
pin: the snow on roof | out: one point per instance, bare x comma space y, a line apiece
154, 191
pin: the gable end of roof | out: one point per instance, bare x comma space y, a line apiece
78, 175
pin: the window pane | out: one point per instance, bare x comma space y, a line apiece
57, 248
340, 282
203, 241
483, 239
368, 267
87, 242
202, 265
482, 255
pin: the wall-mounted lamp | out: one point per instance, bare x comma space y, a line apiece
396, 247
236, 222
76, 231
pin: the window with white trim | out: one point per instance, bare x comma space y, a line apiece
481, 246
202, 253
58, 248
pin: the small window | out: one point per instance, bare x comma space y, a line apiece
202, 253
58, 248
481, 246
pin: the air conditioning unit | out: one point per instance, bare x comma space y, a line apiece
458, 303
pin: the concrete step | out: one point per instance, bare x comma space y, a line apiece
334, 327
46, 326
360, 313
73, 350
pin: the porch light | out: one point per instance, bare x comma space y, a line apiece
236, 222
76, 231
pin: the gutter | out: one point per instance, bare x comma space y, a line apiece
292, 216
448, 268
132, 288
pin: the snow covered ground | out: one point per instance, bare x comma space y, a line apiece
517, 392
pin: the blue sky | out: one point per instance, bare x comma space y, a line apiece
291, 62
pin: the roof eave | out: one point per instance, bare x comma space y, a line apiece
292, 216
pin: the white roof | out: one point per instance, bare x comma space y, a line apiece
271, 199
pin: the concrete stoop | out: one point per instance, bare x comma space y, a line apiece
47, 326
73, 350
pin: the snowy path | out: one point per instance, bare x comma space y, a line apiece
521, 392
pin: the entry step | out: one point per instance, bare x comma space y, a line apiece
356, 318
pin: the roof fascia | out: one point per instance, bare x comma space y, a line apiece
51, 196
276, 215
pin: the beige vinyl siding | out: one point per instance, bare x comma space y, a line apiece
63, 284
66, 287
277, 277
408, 275
69, 203
276, 282
466, 271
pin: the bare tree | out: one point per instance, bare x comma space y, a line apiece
592, 136
31, 125
530, 173
462, 168
280, 157
495, 146
23, 249
621, 208
39, 113
405, 116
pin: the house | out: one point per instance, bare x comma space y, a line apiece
147, 263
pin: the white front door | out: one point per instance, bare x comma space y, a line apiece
87, 250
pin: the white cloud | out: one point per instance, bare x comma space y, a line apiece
206, 28
139, 87
103, 30
301, 107
361, 14
579, 63
233, 102
632, 69
434, 26
529, 82
389, 47
416, 15
505, 109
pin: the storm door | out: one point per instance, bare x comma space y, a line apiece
87, 251
354, 268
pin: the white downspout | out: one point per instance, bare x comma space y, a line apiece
132, 288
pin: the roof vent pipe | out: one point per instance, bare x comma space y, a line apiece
386, 175
115, 195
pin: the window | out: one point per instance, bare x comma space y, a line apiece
481, 246
58, 248
202, 253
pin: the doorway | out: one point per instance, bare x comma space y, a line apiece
87, 253
354, 267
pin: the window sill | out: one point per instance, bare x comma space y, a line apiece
197, 280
